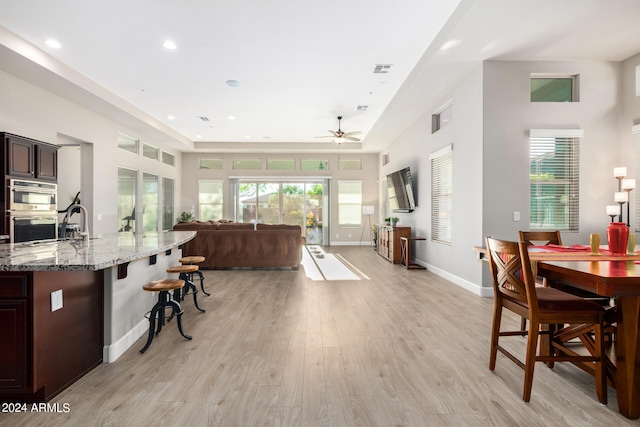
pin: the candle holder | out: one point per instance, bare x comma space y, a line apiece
622, 196
612, 211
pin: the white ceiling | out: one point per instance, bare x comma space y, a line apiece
300, 64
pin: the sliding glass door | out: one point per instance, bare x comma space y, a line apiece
292, 203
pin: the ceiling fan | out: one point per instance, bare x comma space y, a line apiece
339, 136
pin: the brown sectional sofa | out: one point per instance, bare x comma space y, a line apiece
232, 244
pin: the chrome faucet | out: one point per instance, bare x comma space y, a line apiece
84, 231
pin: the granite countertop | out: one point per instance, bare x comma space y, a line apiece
98, 253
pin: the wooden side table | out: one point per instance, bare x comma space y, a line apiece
405, 247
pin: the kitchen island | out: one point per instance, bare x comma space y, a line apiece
67, 306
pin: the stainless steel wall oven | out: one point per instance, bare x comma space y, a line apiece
32, 211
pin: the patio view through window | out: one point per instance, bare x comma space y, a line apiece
554, 182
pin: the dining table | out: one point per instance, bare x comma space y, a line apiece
618, 279
614, 276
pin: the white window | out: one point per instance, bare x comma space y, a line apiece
350, 203
442, 118
127, 143
247, 163
167, 203
554, 88
168, 158
210, 198
350, 164
211, 163
127, 193
150, 151
314, 164
150, 203
554, 179
281, 164
441, 194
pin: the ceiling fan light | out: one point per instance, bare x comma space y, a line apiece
338, 140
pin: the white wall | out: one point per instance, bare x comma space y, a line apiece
456, 261
509, 115
35, 113
345, 235
492, 116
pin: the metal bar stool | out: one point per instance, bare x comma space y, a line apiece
164, 301
185, 273
190, 260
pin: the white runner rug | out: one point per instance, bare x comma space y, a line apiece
319, 265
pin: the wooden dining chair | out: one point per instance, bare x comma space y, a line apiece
565, 316
544, 238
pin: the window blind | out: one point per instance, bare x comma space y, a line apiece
554, 179
441, 194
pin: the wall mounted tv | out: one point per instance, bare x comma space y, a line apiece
401, 191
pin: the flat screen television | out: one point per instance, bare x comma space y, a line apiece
400, 191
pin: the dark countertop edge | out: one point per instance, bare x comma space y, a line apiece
99, 266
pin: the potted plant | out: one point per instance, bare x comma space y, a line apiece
387, 221
394, 221
186, 217
374, 235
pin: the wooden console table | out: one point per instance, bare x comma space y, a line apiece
405, 248
389, 242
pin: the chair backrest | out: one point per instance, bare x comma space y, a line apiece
511, 271
540, 238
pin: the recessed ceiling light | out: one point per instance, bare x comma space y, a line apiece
168, 44
233, 83
170, 117
231, 117
53, 43
247, 136
198, 136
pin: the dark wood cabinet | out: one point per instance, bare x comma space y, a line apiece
28, 158
13, 340
389, 242
20, 157
43, 351
13, 344
47, 162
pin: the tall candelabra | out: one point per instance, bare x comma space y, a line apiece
625, 186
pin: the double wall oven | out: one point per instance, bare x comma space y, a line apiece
32, 210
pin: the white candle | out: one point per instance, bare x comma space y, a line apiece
620, 172
621, 197
628, 184
613, 210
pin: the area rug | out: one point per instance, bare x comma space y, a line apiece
319, 265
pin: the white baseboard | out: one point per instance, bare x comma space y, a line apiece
463, 283
336, 243
110, 353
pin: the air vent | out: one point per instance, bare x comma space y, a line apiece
204, 118
362, 108
382, 68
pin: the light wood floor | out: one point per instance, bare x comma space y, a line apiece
405, 348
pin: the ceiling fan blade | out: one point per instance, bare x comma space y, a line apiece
356, 132
325, 136
351, 138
